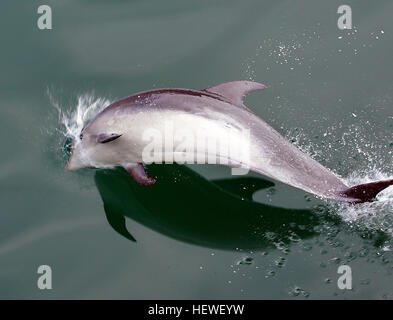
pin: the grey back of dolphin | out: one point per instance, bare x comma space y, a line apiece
114, 138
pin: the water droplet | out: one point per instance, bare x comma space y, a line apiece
245, 261
297, 291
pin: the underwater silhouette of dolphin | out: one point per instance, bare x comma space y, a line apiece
219, 214
115, 138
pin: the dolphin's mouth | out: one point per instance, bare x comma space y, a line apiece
73, 162
67, 167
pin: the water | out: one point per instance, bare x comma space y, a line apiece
329, 92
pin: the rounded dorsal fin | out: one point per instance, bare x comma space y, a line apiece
235, 91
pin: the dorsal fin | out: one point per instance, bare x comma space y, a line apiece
235, 91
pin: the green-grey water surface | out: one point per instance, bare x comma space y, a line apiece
201, 233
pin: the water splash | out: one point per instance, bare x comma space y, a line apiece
288, 51
369, 165
377, 215
75, 118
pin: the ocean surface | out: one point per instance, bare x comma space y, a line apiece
200, 233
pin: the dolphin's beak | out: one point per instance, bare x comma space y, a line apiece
74, 162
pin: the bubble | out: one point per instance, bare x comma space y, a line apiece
280, 262
298, 291
245, 261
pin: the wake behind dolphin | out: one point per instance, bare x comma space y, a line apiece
115, 137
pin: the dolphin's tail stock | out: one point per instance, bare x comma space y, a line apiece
365, 192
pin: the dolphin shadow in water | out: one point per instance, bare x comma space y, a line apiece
185, 206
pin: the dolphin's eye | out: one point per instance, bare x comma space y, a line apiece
107, 137
81, 136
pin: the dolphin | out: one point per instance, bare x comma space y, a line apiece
115, 137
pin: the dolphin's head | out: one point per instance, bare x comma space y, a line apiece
93, 148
